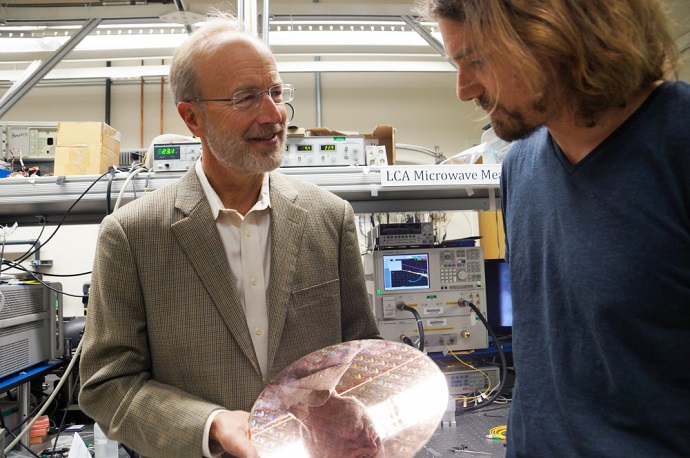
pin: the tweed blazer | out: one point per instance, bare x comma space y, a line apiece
166, 340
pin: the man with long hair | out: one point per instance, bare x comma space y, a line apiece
595, 194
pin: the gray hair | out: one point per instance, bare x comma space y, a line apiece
184, 81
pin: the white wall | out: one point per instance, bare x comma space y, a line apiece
71, 250
421, 106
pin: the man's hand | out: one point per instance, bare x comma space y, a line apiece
230, 433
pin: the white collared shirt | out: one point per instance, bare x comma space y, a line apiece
247, 244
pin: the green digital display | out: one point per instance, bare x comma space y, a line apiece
304, 148
327, 147
166, 152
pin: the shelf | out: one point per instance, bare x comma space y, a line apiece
20, 377
37, 200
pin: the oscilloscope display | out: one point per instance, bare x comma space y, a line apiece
405, 271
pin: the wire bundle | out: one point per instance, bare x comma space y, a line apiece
498, 432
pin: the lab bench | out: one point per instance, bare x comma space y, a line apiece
467, 436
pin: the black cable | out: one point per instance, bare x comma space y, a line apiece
293, 113
9, 431
28, 252
420, 325
23, 445
406, 340
501, 355
30, 416
64, 217
64, 416
58, 275
130, 452
24, 269
15, 265
111, 175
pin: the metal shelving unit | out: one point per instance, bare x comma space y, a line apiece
39, 200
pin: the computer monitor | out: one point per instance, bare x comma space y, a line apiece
499, 304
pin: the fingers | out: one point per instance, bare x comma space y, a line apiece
230, 433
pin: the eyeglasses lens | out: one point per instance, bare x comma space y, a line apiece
280, 93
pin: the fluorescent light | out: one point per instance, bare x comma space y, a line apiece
132, 38
116, 73
376, 46
151, 71
26, 45
338, 38
182, 17
125, 41
364, 66
131, 41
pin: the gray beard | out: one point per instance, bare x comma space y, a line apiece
232, 151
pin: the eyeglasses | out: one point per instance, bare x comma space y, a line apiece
249, 99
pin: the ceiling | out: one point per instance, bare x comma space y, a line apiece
64, 10
53, 13
369, 24
13, 11
148, 31
66, 16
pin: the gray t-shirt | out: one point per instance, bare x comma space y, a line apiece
599, 258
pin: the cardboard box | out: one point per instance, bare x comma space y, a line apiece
39, 430
88, 133
382, 135
84, 160
493, 237
86, 148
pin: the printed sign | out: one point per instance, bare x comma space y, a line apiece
430, 175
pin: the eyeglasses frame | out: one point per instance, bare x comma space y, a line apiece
258, 94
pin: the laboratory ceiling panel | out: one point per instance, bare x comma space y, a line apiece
382, 35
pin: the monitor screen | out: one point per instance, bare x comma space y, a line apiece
405, 271
499, 304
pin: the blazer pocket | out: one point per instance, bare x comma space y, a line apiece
318, 293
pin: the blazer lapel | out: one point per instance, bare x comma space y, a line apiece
287, 233
199, 238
